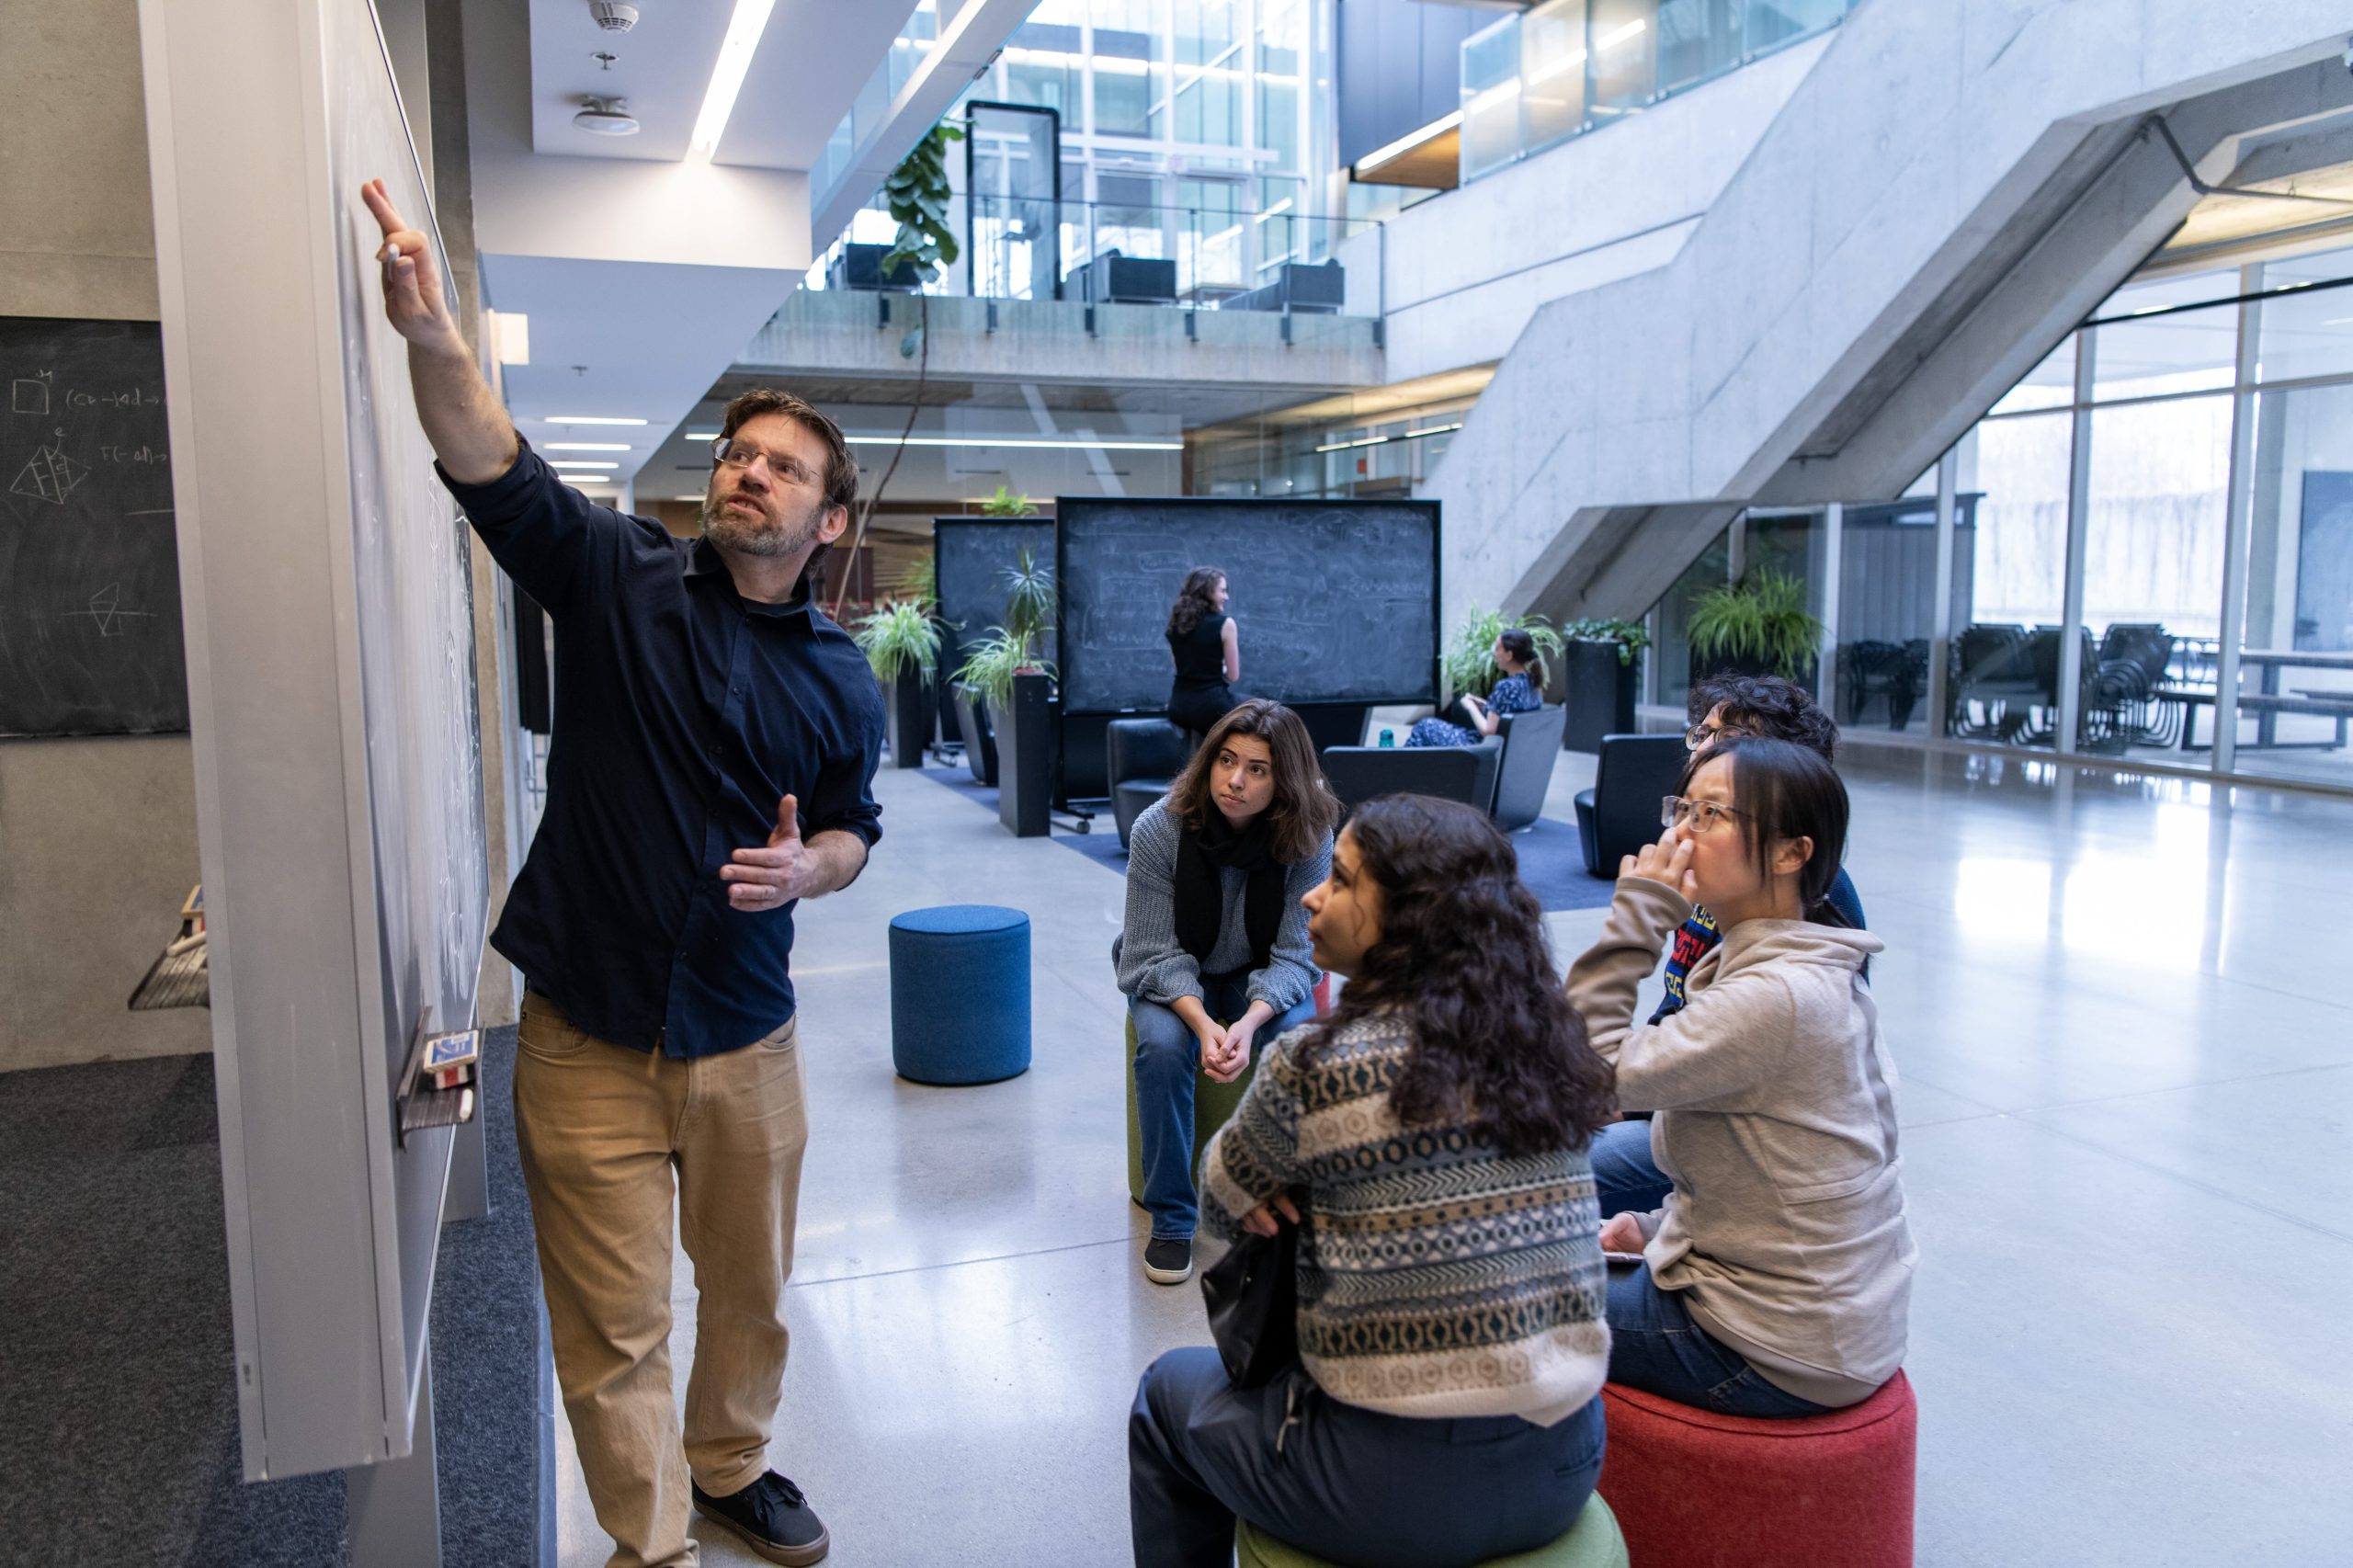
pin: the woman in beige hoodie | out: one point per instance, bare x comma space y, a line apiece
1774, 1280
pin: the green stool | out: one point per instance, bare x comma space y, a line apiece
1212, 1103
1592, 1542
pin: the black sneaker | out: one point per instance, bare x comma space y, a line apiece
773, 1519
1168, 1260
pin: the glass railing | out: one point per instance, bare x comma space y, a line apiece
1567, 66
1114, 253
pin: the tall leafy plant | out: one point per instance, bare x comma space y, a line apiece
1630, 635
1005, 503
918, 195
899, 638
991, 664
1030, 602
1468, 662
1760, 620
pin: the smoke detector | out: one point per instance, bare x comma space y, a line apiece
606, 117
613, 16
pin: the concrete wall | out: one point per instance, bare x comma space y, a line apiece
98, 838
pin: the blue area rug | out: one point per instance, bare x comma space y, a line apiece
1551, 861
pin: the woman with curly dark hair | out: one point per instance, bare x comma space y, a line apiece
1208, 651
1431, 1132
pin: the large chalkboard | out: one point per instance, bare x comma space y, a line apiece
89, 574
1336, 600
970, 555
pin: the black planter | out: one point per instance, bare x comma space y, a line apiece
908, 709
1024, 740
1599, 692
980, 744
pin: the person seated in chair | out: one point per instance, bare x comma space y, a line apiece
1520, 691
1776, 1277
1721, 705
1215, 950
1430, 1132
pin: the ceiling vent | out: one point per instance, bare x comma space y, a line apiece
612, 15
606, 117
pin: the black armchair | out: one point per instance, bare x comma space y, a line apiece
1531, 743
1144, 757
979, 741
1451, 773
1619, 813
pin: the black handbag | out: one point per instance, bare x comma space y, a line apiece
1253, 1297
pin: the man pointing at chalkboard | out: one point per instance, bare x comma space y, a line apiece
712, 760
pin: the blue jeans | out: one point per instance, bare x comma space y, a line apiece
1624, 1175
1339, 1481
1168, 1056
1657, 1346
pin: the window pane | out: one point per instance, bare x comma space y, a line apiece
2294, 716
1772, 23
2005, 680
2305, 334
1209, 67
1130, 75
1671, 634
2153, 565
1491, 89
1887, 607
2193, 351
2051, 384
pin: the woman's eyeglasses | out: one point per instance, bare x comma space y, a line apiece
730, 453
1703, 815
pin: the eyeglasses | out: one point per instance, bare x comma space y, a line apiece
1701, 735
1703, 815
732, 453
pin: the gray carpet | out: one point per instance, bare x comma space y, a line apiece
118, 1409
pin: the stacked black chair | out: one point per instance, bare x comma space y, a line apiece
1530, 745
1451, 773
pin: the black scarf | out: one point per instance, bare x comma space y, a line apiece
1201, 890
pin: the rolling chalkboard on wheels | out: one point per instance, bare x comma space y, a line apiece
89, 571
1336, 600
970, 556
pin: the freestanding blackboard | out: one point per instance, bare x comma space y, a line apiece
1336, 600
89, 575
970, 556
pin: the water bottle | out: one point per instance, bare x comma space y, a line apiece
1389, 737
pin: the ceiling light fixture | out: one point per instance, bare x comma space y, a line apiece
587, 446
1383, 440
744, 30
985, 441
577, 462
606, 117
702, 435
587, 419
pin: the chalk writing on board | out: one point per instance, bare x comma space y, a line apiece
106, 609
51, 477
30, 394
127, 397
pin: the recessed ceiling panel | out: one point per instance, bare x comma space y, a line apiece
812, 62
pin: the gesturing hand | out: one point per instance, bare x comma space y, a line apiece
413, 302
772, 877
1668, 865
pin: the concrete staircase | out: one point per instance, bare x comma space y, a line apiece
1955, 184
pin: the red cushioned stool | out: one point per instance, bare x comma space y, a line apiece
1693, 1489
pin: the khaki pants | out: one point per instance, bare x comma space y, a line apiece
602, 1131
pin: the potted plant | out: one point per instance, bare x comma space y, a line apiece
902, 642
1468, 662
1757, 626
1599, 679
1000, 676
1005, 503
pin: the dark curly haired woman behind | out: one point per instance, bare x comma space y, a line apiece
1452, 1320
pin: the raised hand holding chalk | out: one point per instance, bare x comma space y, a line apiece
774, 876
413, 298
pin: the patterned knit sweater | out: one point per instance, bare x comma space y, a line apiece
1440, 1277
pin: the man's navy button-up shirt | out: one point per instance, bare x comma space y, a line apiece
684, 712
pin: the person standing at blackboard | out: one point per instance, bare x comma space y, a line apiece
713, 761
1208, 650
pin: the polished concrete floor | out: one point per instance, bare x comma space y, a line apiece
2127, 1043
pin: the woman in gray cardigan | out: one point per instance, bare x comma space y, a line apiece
1214, 955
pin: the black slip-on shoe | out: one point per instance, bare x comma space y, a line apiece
1168, 1260
773, 1519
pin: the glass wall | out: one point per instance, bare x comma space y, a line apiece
1567, 66
2202, 531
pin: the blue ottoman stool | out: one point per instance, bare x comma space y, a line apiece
959, 994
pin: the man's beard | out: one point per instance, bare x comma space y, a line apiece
750, 536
